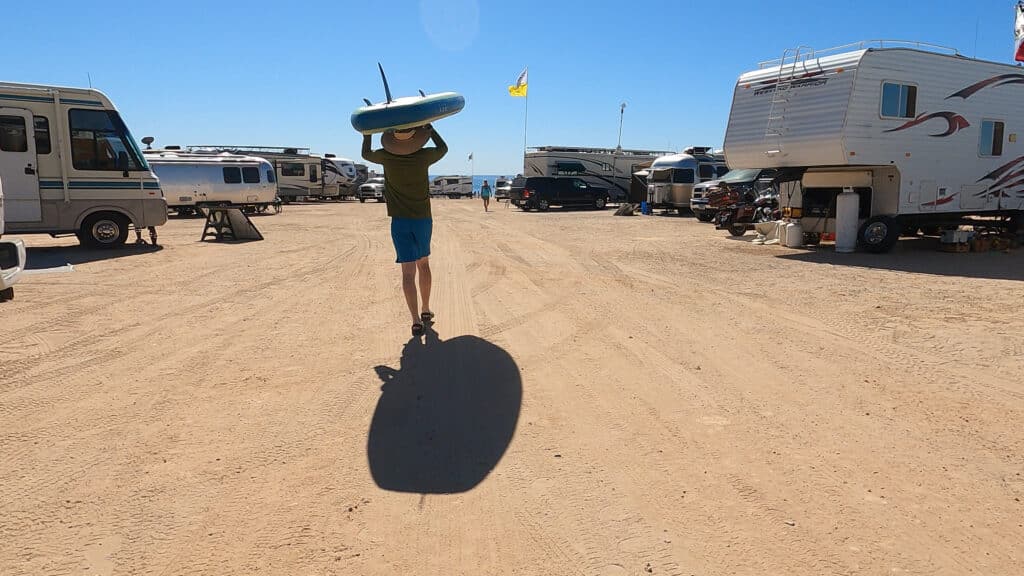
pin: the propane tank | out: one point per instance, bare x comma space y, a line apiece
794, 234
847, 213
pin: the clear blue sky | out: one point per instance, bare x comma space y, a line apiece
290, 73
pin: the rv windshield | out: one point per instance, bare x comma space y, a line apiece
98, 138
742, 175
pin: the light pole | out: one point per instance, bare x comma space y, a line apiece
622, 112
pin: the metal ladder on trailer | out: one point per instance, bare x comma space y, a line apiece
783, 89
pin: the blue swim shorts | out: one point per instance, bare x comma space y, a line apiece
411, 237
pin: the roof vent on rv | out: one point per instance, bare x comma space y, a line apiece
697, 150
329, 155
291, 150
172, 147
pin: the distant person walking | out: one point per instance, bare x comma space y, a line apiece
485, 193
407, 192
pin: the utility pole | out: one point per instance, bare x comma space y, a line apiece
622, 112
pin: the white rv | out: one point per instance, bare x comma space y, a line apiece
12, 257
299, 173
671, 178
69, 165
601, 167
193, 180
452, 186
340, 172
924, 135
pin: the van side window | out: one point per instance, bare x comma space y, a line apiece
98, 138
270, 177
293, 169
232, 175
250, 175
42, 126
13, 135
992, 138
899, 100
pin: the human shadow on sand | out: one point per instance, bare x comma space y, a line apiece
43, 257
445, 419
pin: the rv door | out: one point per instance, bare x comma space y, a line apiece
18, 166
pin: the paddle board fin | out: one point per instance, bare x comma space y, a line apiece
422, 94
387, 90
367, 100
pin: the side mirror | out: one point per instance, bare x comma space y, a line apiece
122, 162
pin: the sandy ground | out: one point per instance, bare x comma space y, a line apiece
601, 396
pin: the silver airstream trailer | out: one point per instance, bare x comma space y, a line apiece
194, 180
671, 178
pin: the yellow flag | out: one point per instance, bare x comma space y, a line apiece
519, 89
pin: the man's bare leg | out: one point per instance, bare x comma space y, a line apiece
409, 288
423, 264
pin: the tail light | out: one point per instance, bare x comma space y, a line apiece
526, 193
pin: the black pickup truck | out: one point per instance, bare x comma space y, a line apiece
541, 193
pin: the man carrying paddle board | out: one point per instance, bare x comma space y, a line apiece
407, 192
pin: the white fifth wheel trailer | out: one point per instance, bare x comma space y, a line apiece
192, 180
12, 257
925, 136
70, 165
452, 186
601, 167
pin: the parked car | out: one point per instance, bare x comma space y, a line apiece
541, 193
502, 188
758, 180
372, 189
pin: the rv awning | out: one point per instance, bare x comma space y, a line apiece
575, 167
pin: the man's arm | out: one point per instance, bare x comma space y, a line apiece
369, 154
439, 149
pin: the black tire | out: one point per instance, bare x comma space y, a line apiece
7, 294
362, 200
104, 230
600, 203
737, 230
705, 216
543, 205
879, 234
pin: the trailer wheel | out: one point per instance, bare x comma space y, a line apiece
7, 294
879, 234
104, 230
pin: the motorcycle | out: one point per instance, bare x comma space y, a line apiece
738, 208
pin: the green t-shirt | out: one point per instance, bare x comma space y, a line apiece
406, 183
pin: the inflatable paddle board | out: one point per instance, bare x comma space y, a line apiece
407, 112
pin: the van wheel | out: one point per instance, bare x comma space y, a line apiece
879, 234
104, 230
600, 203
7, 294
543, 205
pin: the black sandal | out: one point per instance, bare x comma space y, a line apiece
417, 329
428, 317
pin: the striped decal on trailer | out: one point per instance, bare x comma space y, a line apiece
24, 98
94, 185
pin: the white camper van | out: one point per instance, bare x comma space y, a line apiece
299, 173
600, 167
192, 180
924, 135
452, 186
12, 257
69, 165
671, 178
